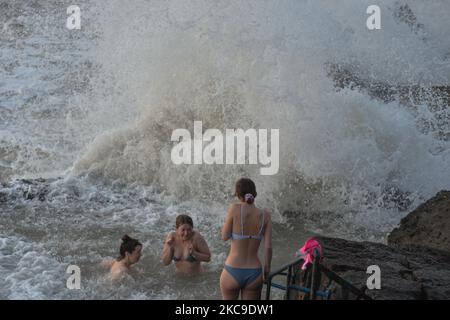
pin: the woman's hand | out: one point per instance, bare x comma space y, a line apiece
168, 249
170, 239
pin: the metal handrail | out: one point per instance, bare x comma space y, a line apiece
344, 283
317, 267
280, 271
285, 266
323, 294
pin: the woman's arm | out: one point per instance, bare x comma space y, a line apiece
167, 253
267, 245
228, 225
201, 250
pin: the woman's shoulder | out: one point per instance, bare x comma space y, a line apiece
118, 267
233, 206
197, 236
118, 271
107, 263
198, 239
267, 214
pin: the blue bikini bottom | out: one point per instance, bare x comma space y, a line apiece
244, 276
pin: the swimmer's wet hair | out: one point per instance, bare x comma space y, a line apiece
128, 245
243, 187
184, 219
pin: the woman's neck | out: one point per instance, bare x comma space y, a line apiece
125, 263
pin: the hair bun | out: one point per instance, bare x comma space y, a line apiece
126, 238
249, 198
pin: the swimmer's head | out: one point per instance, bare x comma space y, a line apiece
130, 249
245, 190
184, 226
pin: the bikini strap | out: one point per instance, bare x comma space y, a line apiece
242, 223
262, 223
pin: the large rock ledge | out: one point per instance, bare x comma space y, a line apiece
414, 265
419, 274
427, 226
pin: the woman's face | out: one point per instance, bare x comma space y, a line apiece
185, 231
135, 255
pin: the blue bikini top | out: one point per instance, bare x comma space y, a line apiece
241, 236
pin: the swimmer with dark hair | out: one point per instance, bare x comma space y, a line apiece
186, 247
130, 253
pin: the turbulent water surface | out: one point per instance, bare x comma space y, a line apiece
86, 118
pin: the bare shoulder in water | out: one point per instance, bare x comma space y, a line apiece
130, 253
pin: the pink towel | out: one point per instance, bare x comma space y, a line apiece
307, 251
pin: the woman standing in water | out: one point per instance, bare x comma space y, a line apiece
186, 247
130, 253
246, 225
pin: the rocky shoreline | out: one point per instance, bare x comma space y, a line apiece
427, 226
414, 265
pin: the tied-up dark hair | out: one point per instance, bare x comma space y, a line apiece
128, 245
246, 189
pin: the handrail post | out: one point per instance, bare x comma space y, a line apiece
280, 270
312, 294
269, 285
312, 279
288, 282
315, 275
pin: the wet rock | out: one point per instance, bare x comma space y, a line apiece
405, 274
426, 226
412, 97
